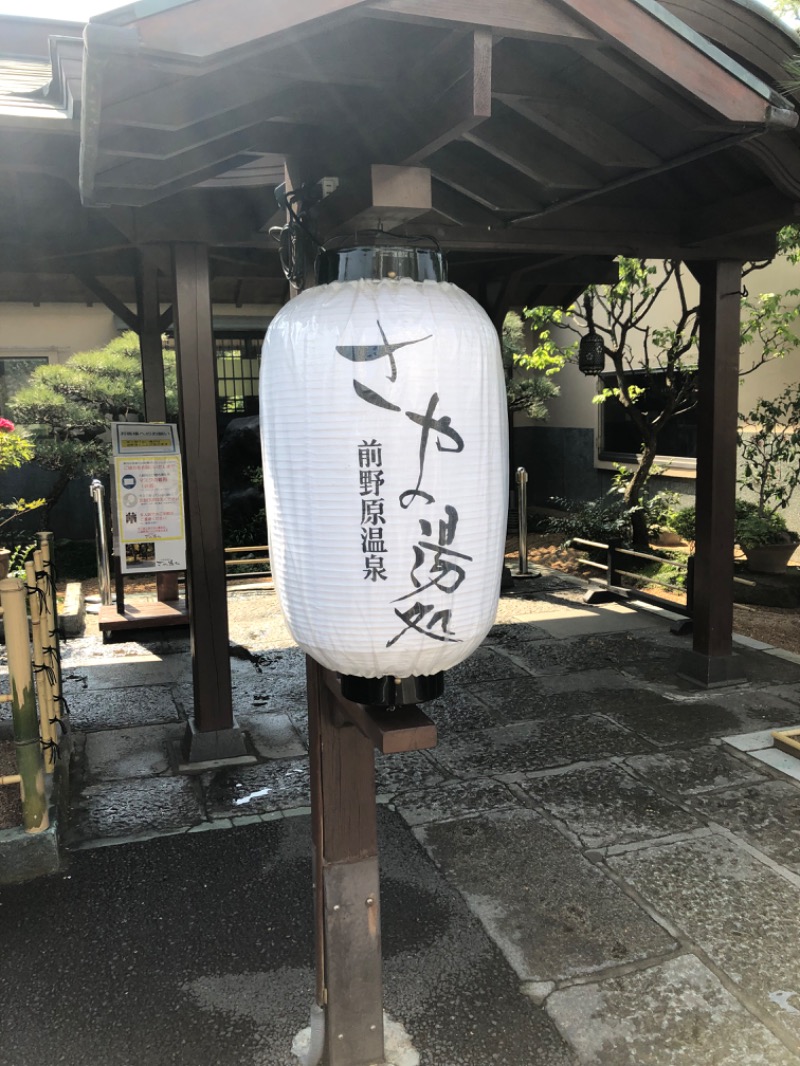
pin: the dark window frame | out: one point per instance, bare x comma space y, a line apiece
618, 440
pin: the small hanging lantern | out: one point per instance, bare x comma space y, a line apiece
384, 435
591, 350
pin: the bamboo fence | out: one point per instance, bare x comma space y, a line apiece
30, 619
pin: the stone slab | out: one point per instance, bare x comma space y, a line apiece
117, 754
674, 1014
197, 950
272, 735
279, 784
766, 815
738, 910
610, 618
675, 723
685, 773
123, 672
454, 799
780, 761
761, 738
485, 664
603, 806
506, 634
535, 745
119, 809
409, 771
552, 913
462, 709
119, 708
531, 699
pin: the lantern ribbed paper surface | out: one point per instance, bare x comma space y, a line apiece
384, 434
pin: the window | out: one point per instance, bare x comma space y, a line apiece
619, 438
15, 371
237, 363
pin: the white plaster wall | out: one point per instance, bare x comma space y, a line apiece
574, 408
58, 329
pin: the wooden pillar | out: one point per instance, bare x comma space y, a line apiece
155, 403
213, 734
711, 661
346, 877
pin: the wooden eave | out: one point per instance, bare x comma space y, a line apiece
525, 114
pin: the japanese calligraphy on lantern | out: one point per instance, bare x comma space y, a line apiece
148, 492
436, 562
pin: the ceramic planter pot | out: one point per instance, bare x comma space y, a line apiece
770, 558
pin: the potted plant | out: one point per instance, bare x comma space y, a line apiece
769, 439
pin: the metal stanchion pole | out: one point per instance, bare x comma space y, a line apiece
522, 509
98, 494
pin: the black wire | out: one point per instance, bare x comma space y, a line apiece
293, 237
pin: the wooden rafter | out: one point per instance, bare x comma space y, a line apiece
536, 20
646, 37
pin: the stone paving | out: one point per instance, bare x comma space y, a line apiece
637, 876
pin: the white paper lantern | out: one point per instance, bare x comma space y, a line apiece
384, 435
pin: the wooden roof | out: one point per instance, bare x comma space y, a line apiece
541, 132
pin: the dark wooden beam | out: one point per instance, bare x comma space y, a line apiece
496, 187
656, 240
516, 144
111, 301
212, 29
384, 195
159, 173
711, 662
211, 733
133, 142
538, 21
659, 48
646, 86
763, 210
407, 129
458, 208
577, 126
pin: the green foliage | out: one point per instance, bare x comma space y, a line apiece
68, 407
683, 522
769, 440
611, 517
751, 527
530, 393
15, 449
244, 534
604, 519
76, 559
20, 553
756, 530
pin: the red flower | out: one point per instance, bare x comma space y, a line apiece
6, 426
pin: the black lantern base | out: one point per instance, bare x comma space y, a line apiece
392, 691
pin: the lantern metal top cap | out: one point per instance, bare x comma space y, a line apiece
379, 261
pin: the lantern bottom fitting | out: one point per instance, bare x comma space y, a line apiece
392, 691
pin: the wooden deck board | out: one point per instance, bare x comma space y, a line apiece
153, 615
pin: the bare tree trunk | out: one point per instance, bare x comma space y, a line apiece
633, 494
57, 491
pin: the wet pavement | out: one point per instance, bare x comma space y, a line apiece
583, 871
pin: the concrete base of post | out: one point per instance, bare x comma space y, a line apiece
711, 671
199, 751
